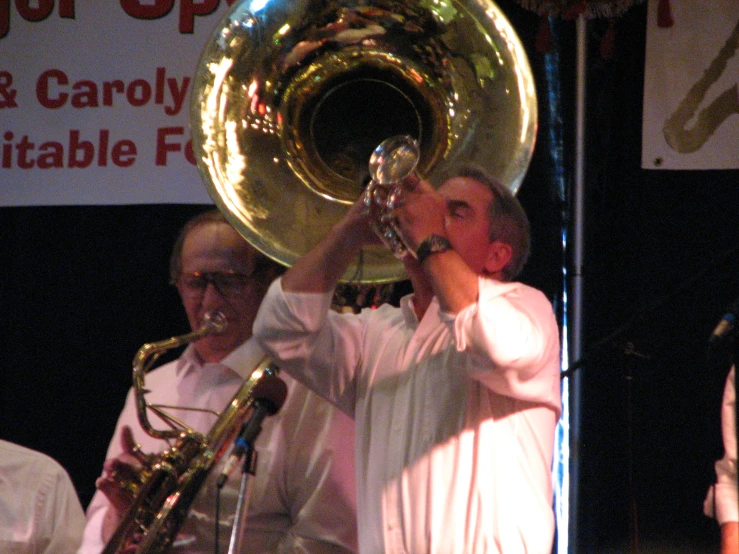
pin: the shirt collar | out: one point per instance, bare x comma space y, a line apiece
242, 360
188, 361
245, 358
406, 304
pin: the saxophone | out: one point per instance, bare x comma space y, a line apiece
168, 482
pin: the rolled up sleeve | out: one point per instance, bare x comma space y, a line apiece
512, 336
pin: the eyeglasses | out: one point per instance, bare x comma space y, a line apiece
227, 283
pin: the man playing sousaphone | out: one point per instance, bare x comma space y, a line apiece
302, 496
456, 393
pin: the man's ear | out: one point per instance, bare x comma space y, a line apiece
499, 255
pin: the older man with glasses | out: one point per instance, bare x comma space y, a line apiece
302, 498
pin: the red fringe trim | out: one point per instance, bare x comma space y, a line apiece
544, 36
608, 42
664, 14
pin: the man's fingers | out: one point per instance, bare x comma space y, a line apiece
111, 487
128, 443
121, 468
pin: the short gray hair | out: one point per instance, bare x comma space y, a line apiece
508, 220
204, 218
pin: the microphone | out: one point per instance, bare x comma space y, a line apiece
726, 326
269, 395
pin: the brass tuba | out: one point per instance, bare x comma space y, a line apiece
291, 97
167, 483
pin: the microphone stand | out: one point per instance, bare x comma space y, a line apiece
248, 470
640, 314
269, 395
615, 340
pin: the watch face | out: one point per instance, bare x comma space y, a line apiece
439, 244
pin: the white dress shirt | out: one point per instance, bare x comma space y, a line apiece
455, 415
302, 498
40, 512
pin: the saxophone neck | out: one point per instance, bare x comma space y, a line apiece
213, 322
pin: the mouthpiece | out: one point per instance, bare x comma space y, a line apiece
215, 321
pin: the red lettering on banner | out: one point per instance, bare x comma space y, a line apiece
41, 10
81, 152
138, 93
34, 14
189, 153
123, 153
66, 9
188, 11
159, 87
103, 148
160, 8
23, 147
7, 150
86, 95
51, 84
84, 147
42, 89
4, 17
52, 156
165, 145
111, 87
7, 93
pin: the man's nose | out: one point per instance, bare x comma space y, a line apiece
211, 295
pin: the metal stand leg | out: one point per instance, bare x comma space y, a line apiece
242, 504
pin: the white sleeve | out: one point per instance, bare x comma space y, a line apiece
512, 336
92, 539
60, 515
725, 493
317, 346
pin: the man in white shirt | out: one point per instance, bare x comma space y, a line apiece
456, 393
40, 512
721, 501
302, 497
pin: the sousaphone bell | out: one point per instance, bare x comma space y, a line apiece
291, 97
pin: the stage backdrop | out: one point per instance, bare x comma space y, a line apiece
691, 101
94, 100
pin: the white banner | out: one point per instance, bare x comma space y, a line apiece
691, 100
95, 100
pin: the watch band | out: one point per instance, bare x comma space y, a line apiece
432, 244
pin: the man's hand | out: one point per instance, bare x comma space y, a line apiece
420, 212
119, 470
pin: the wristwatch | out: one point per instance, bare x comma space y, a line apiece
432, 244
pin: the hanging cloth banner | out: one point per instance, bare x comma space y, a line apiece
95, 100
691, 95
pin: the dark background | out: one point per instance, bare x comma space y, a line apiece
83, 287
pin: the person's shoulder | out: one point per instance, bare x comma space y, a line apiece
499, 288
21, 452
27, 459
533, 291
